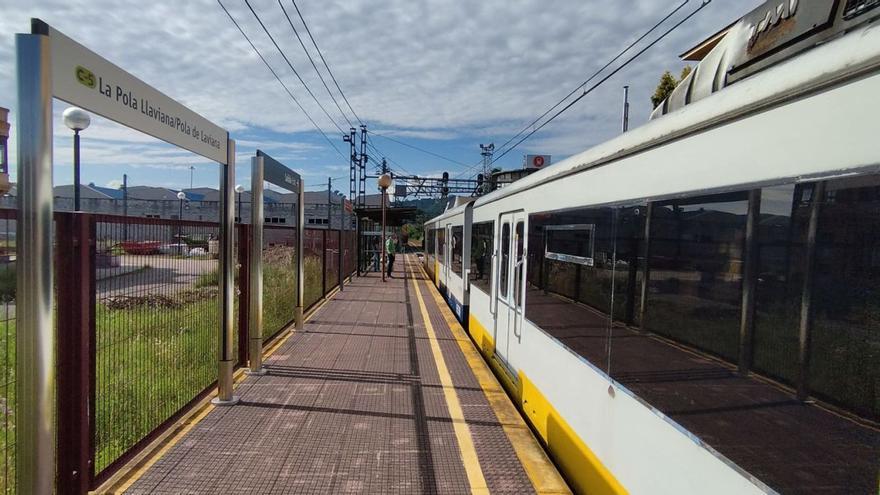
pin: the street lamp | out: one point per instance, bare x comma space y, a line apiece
384, 184
76, 119
180, 196
240, 189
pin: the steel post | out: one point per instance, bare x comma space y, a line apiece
300, 257
805, 332
76, 340
227, 278
244, 246
750, 279
255, 271
76, 196
35, 342
382, 239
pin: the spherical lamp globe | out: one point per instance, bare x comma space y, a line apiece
76, 119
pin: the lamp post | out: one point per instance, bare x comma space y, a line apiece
384, 183
240, 189
76, 119
180, 196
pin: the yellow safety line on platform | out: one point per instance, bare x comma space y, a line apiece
541, 471
128, 476
462, 431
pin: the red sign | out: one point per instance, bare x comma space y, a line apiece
539, 161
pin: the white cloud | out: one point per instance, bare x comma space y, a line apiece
427, 70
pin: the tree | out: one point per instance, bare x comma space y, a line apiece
667, 84
664, 89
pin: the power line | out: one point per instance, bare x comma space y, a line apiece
279, 80
324, 61
599, 83
595, 74
306, 86
419, 149
309, 55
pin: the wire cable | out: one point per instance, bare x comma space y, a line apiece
324, 61
595, 74
608, 76
298, 104
419, 149
306, 86
309, 55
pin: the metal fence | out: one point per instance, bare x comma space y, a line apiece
156, 319
138, 310
7, 349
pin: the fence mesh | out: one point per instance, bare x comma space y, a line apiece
313, 259
331, 268
157, 314
7, 348
279, 279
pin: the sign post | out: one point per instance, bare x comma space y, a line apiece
265, 168
52, 64
35, 340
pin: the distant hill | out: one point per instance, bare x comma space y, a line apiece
428, 207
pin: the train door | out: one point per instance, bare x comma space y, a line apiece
509, 288
447, 260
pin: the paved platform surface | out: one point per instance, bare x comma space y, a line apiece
376, 395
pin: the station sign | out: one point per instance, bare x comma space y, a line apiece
536, 161
83, 78
279, 174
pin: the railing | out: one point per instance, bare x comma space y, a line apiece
7, 350
138, 312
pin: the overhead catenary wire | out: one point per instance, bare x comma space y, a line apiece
324, 61
292, 68
309, 55
601, 69
608, 76
289, 93
501, 149
437, 155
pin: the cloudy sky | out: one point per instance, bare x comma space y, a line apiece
440, 75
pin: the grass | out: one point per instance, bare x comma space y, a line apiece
153, 361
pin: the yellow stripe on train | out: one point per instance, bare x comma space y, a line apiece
580, 466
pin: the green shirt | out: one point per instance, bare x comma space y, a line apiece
390, 246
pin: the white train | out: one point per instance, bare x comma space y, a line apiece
694, 306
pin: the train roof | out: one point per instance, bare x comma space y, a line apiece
838, 60
452, 212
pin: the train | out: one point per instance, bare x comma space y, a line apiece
694, 305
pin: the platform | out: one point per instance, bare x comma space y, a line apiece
381, 393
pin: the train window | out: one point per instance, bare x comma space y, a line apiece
785, 217
457, 247
504, 261
518, 269
695, 265
569, 280
570, 243
482, 244
441, 245
844, 354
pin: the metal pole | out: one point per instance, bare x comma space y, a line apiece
382, 240
76, 170
227, 278
806, 321
329, 203
301, 231
125, 205
255, 271
625, 108
35, 336
750, 279
341, 242
643, 296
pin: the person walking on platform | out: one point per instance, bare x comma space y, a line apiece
391, 250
